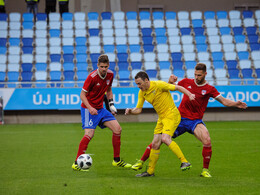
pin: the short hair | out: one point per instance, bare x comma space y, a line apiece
201, 66
143, 75
103, 59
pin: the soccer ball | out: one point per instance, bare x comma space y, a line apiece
84, 161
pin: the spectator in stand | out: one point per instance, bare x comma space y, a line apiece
32, 6
2, 6
63, 6
50, 6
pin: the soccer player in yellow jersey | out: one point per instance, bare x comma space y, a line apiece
158, 94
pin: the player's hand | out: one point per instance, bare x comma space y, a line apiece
113, 110
127, 111
93, 111
172, 79
192, 96
242, 105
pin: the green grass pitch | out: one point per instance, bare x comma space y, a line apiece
37, 159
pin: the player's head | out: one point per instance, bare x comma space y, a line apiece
200, 73
103, 64
142, 80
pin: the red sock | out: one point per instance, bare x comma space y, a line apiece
206, 153
147, 153
83, 145
116, 141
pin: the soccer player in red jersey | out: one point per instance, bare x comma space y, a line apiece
192, 113
93, 114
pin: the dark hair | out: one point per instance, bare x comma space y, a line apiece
103, 59
201, 66
143, 75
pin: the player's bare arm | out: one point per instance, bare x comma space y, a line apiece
230, 103
133, 111
111, 101
84, 99
185, 91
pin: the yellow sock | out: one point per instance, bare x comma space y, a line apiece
177, 151
153, 158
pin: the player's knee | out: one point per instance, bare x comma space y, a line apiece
166, 139
155, 145
117, 130
206, 140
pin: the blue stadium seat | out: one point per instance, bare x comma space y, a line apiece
55, 57
27, 25
13, 76
124, 74
157, 15
55, 75
122, 57
41, 16
160, 31
54, 32
209, 14
231, 64
197, 23
253, 38
109, 48
190, 64
217, 56
179, 73
93, 16
68, 49
185, 31
81, 41
243, 55
225, 30
198, 31
144, 15
147, 40
41, 66
3, 50
176, 56
68, 58
27, 41
201, 39
121, 48
161, 39
81, 58
152, 73
134, 48
81, 49
82, 75
254, 46
240, 38
67, 16
170, 15
148, 47
68, 75
165, 65
106, 15
233, 73
202, 47
219, 64
26, 76
247, 73
26, 67
247, 14
14, 41
81, 66
2, 76
177, 65
3, 17
136, 65
222, 14
3, 42
94, 57
146, 31
27, 49
131, 15
238, 30
93, 32
123, 66
68, 66
251, 30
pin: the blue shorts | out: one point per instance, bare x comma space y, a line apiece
92, 121
186, 125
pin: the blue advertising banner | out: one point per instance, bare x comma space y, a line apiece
68, 98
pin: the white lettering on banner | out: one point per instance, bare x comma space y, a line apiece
40, 101
74, 99
68, 99
257, 99
176, 97
244, 96
127, 98
62, 99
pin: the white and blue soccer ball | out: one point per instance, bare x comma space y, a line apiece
84, 161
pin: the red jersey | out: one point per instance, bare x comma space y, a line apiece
195, 109
96, 87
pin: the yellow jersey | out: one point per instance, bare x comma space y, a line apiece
159, 96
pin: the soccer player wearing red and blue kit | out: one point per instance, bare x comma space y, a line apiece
93, 114
192, 113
